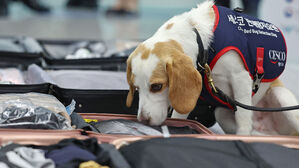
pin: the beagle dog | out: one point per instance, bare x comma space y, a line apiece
164, 71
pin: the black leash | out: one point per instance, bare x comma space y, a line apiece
280, 109
202, 60
235, 103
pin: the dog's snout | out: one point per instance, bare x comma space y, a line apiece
142, 116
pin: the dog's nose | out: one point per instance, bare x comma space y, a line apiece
142, 118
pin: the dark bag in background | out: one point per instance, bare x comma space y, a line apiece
111, 56
94, 91
19, 51
87, 54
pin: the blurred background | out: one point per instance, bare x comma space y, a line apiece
66, 22
67, 19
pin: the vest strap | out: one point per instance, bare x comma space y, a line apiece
259, 70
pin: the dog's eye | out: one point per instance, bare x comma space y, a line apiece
156, 87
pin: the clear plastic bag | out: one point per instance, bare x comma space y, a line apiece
32, 110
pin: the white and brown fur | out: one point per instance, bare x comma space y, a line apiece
169, 58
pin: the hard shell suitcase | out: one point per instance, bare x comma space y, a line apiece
42, 136
287, 141
169, 122
109, 138
37, 136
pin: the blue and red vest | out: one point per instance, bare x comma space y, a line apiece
260, 44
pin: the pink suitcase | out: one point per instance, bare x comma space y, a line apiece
38, 136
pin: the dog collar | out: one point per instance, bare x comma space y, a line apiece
202, 66
202, 61
202, 56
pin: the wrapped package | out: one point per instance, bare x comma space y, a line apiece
34, 111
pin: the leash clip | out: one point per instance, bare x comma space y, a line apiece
209, 76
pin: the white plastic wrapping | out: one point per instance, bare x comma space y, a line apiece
32, 110
78, 79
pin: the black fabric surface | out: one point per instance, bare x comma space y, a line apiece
192, 153
68, 154
277, 156
79, 122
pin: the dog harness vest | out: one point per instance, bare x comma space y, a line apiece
260, 44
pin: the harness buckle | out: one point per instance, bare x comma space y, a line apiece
259, 71
209, 76
257, 81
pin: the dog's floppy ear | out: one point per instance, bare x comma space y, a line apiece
130, 79
185, 83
